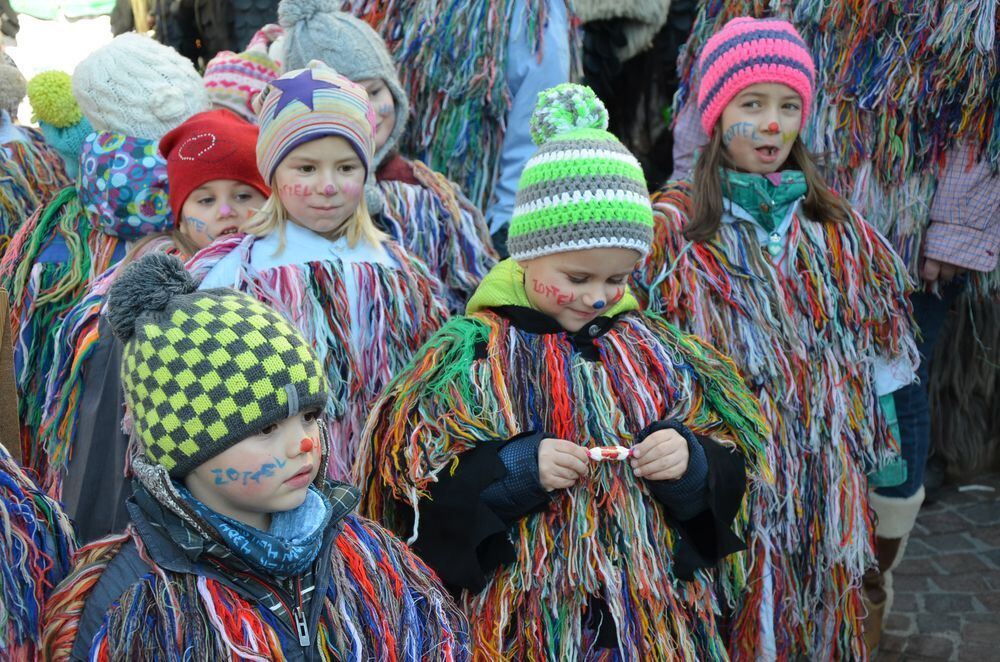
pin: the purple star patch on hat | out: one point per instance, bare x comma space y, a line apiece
299, 88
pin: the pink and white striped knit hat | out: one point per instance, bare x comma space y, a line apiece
232, 80
308, 104
747, 51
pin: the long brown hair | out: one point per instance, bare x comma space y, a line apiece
820, 204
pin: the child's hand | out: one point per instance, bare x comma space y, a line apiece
561, 463
663, 455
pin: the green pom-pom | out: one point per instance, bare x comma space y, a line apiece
564, 108
52, 101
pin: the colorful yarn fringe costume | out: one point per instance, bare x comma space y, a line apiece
383, 603
176, 584
806, 346
416, 206
364, 308
505, 370
59, 251
438, 224
452, 57
482, 379
83, 399
364, 319
31, 171
36, 544
75, 343
131, 91
899, 84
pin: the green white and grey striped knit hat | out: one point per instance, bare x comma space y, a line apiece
582, 189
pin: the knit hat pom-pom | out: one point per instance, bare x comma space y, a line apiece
51, 96
564, 108
291, 12
144, 286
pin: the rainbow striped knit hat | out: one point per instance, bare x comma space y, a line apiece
307, 104
582, 188
747, 51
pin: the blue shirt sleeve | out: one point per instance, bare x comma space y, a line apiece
526, 77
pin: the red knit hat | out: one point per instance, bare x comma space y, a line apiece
216, 144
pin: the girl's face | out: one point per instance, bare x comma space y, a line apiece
385, 109
266, 473
759, 126
321, 183
218, 207
575, 287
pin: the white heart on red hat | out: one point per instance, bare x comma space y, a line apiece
197, 146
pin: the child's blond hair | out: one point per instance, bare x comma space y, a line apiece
273, 216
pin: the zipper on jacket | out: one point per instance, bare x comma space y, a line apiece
297, 615
301, 624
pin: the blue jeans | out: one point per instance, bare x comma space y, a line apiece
912, 402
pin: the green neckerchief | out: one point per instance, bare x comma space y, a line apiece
504, 286
767, 202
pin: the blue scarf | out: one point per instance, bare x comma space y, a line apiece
291, 545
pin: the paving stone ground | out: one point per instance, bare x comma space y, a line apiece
947, 604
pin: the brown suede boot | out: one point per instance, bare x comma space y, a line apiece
896, 518
874, 593
873, 596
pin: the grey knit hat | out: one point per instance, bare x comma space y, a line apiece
318, 30
12, 86
202, 371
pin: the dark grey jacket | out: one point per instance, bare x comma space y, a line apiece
174, 547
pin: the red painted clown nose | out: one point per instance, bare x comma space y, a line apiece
306, 445
773, 127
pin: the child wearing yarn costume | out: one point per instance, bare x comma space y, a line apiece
314, 254
31, 171
238, 546
758, 257
36, 538
416, 206
214, 190
132, 91
483, 451
36, 546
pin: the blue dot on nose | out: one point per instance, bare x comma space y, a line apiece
598, 305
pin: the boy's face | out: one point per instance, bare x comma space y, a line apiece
218, 207
759, 126
575, 287
385, 108
321, 183
266, 473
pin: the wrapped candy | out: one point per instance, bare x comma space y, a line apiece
608, 453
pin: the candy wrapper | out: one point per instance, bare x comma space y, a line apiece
609, 453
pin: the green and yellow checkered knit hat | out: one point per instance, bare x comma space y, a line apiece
202, 371
582, 188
